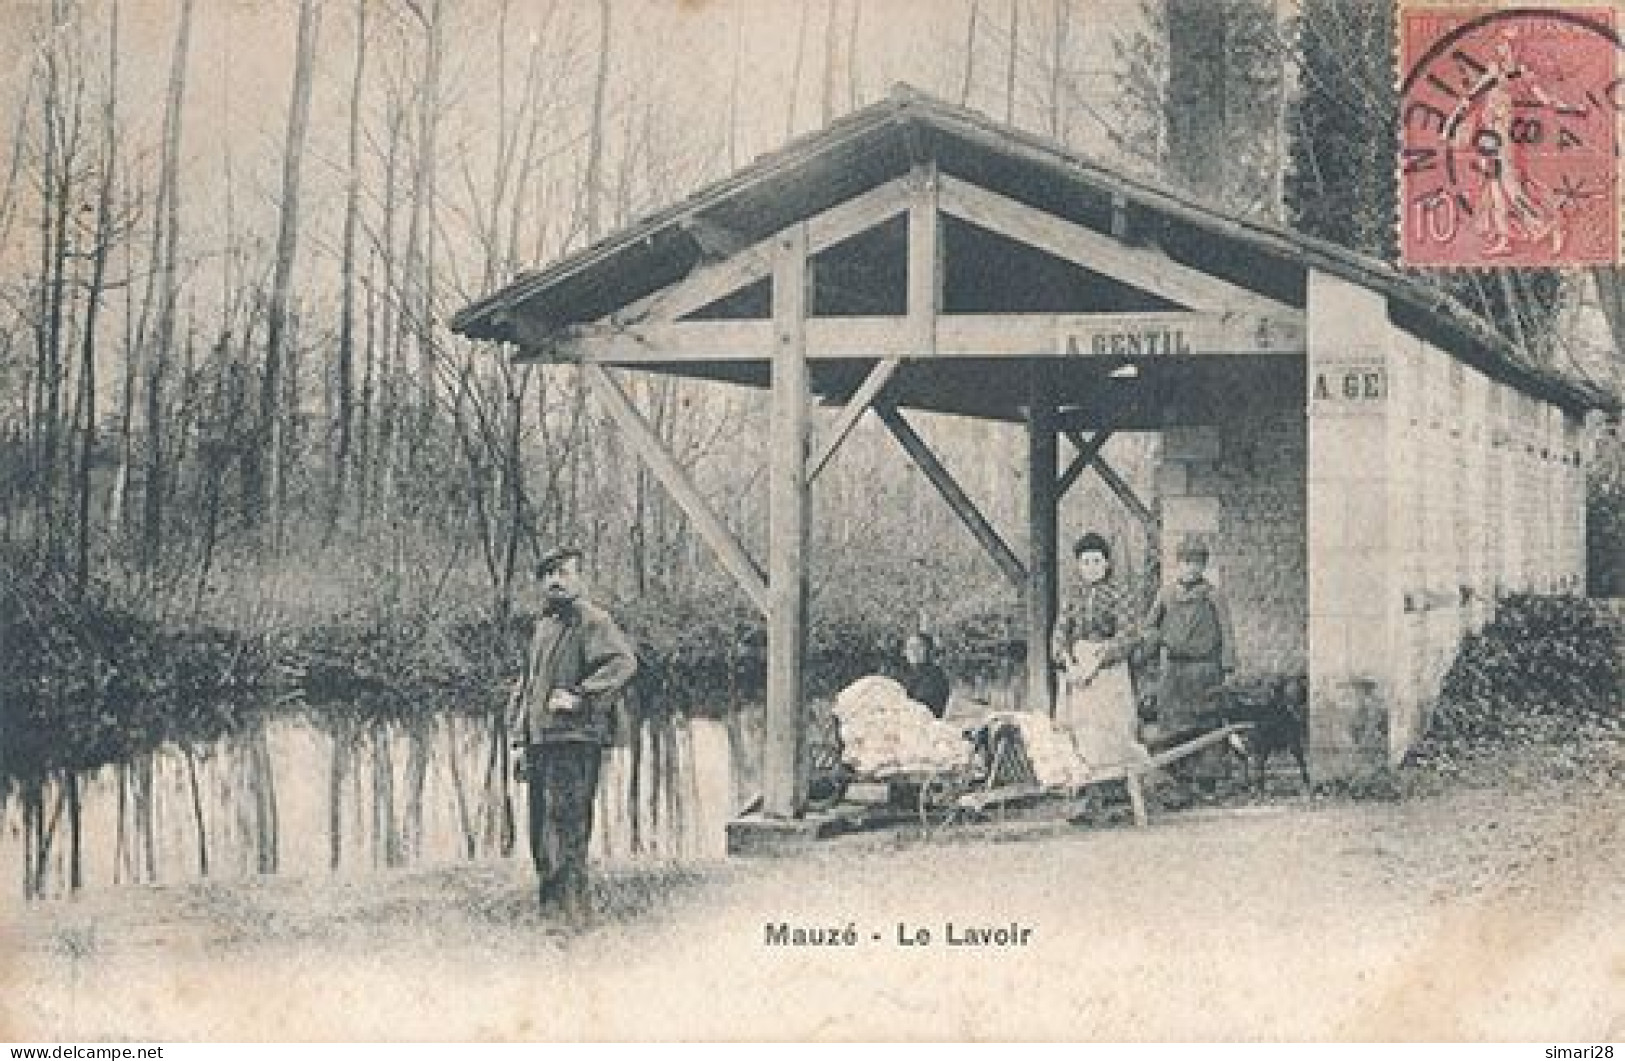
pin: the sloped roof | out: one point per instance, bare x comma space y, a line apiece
883, 141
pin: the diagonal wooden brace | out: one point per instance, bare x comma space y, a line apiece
859, 403
648, 446
1088, 451
952, 493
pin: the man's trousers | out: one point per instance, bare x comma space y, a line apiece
563, 784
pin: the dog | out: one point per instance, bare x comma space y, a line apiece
1278, 710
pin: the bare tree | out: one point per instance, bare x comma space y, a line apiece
970, 52
1011, 64
826, 108
343, 453
163, 293
1057, 68
101, 251
853, 35
594, 190
795, 72
267, 501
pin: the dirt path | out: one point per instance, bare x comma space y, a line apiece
1478, 913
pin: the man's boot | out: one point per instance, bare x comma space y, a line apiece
550, 893
576, 902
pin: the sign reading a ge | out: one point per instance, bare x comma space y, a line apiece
1349, 384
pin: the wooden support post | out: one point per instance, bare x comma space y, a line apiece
924, 259
1088, 450
677, 482
953, 493
1041, 535
784, 766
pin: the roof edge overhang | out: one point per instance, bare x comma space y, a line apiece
1417, 308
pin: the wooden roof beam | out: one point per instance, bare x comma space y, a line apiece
717, 280
1116, 335
1146, 268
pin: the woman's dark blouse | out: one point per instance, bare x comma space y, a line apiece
927, 684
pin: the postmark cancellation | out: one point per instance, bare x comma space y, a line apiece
1509, 134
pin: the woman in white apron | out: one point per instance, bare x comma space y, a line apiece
1093, 640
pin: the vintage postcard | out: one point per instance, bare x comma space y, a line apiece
811, 520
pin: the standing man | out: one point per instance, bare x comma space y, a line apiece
561, 720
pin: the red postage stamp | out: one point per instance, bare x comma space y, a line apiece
1508, 129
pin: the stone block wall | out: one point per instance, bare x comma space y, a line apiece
1486, 498
1241, 485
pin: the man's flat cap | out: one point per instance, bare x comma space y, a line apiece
556, 556
1192, 547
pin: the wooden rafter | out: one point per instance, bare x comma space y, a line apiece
963, 507
1142, 267
648, 446
711, 282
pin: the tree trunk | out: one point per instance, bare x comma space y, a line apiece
122, 860
335, 793
152, 498
93, 300
76, 852
497, 789
967, 80
267, 512
417, 775
1011, 65
853, 36
1057, 69
56, 184
826, 104
266, 840
454, 767
33, 816
795, 71
428, 160
595, 134
342, 456
386, 831
199, 822
163, 293
146, 813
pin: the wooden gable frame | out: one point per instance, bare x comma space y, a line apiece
1218, 318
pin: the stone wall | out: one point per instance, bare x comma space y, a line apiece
1241, 486
1430, 497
